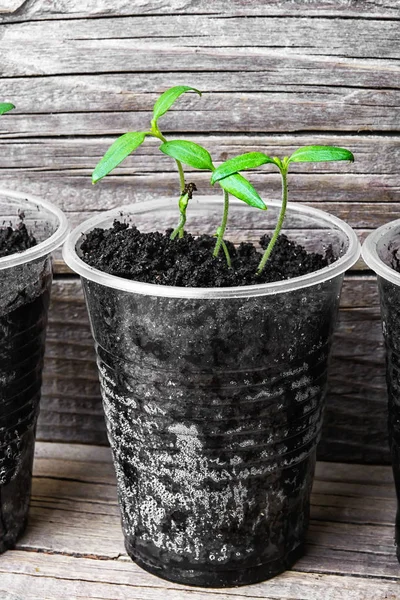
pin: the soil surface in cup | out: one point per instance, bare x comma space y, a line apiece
16, 239
188, 262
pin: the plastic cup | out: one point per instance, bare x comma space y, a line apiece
213, 397
379, 252
25, 281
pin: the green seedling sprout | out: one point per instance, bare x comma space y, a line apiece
130, 141
185, 152
198, 157
5, 107
226, 175
251, 160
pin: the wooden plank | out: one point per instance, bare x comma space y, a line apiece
64, 577
364, 202
289, 586
355, 417
352, 37
73, 547
80, 155
332, 109
73, 9
132, 91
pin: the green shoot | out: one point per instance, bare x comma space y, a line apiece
226, 175
129, 142
198, 157
183, 202
254, 159
5, 107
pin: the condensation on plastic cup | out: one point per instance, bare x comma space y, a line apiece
49, 223
320, 220
378, 248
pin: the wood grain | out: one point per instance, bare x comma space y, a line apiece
258, 35
338, 110
74, 9
73, 547
347, 80
81, 154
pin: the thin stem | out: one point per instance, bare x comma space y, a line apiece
227, 255
221, 229
157, 133
279, 224
179, 228
181, 174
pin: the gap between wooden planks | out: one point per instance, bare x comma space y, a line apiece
73, 547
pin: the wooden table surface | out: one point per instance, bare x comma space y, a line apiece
73, 547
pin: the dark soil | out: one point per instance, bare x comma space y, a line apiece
394, 254
16, 239
188, 262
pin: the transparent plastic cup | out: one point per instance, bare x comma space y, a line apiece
380, 252
25, 281
213, 397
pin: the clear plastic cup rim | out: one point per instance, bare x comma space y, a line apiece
370, 254
42, 248
90, 273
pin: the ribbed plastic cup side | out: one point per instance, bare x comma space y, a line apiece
380, 251
25, 282
390, 311
214, 409
214, 398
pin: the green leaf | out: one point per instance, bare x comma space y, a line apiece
250, 160
119, 150
167, 99
320, 154
189, 153
5, 107
239, 187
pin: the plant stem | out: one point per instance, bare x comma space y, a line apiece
157, 133
179, 228
227, 255
181, 175
279, 224
221, 229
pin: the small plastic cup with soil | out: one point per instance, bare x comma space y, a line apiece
212, 355
213, 396
30, 229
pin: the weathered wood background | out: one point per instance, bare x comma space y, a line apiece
277, 75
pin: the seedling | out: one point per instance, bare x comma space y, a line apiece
251, 160
183, 152
226, 175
